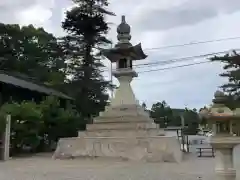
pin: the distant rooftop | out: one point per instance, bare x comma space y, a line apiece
26, 83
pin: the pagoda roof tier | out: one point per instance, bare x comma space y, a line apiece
219, 111
134, 52
124, 72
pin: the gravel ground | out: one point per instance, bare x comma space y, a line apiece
44, 168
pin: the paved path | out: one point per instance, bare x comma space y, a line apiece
45, 168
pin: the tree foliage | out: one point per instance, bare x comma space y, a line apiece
192, 121
86, 27
161, 113
165, 116
59, 122
144, 106
38, 125
32, 52
25, 123
232, 73
71, 64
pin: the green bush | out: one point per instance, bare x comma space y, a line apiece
38, 126
26, 121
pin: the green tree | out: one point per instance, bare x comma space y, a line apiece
232, 73
144, 106
87, 28
165, 116
203, 121
33, 52
161, 113
57, 122
39, 126
192, 121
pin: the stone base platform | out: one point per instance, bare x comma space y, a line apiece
123, 133
122, 129
149, 149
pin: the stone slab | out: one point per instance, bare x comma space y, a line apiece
133, 110
149, 149
122, 133
127, 125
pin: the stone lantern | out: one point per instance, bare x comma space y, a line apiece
124, 129
221, 119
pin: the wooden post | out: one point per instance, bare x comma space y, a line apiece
182, 121
213, 155
183, 140
6, 141
187, 141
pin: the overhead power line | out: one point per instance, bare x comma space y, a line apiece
193, 43
173, 67
183, 59
171, 61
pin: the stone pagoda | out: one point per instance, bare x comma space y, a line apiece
225, 125
124, 108
124, 130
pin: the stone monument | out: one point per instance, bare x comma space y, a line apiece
223, 120
124, 130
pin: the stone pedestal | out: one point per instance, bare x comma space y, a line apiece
124, 94
224, 164
124, 130
122, 133
149, 149
224, 167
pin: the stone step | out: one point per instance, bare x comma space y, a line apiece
124, 110
123, 119
111, 114
122, 133
126, 125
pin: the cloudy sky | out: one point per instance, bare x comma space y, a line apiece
156, 23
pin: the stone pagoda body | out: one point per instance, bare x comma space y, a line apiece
225, 125
124, 107
124, 130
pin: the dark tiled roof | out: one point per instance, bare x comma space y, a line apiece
8, 79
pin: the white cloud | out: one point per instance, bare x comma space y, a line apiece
187, 13
26, 12
36, 15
